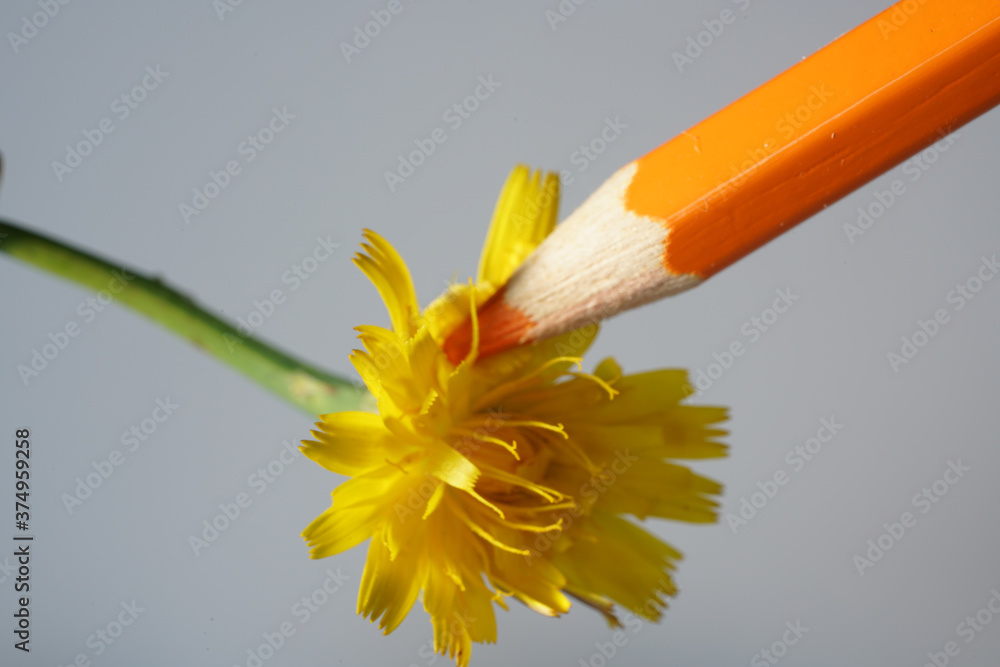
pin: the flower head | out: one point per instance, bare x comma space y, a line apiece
509, 476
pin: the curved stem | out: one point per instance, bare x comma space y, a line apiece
314, 390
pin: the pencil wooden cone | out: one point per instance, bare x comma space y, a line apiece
889, 88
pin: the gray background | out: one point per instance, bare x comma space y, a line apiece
826, 357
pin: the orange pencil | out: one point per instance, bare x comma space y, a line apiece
664, 223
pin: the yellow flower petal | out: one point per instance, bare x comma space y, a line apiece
378, 487
388, 272
622, 563
334, 531
452, 308
511, 476
389, 587
524, 215
351, 443
643, 397
537, 583
449, 466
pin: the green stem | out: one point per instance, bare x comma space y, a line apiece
313, 390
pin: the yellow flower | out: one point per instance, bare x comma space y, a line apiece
509, 476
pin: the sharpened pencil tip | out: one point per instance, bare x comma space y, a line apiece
501, 327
